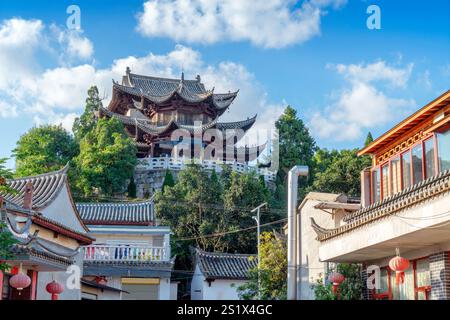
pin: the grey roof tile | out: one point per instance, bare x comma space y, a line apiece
215, 265
117, 213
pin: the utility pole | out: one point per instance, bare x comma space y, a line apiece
258, 231
294, 248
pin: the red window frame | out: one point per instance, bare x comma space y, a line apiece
401, 154
388, 294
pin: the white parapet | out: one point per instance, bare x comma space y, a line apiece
125, 253
169, 163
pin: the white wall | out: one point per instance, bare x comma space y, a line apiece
310, 269
219, 289
164, 289
46, 277
173, 290
197, 284
222, 289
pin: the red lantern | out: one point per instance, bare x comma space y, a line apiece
20, 281
54, 288
399, 265
336, 279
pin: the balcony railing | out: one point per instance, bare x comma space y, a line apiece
121, 253
164, 163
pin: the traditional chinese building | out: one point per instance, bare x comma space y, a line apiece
217, 275
401, 233
49, 232
131, 253
171, 120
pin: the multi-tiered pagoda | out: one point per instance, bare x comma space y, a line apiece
151, 108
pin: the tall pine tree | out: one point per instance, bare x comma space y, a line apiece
86, 122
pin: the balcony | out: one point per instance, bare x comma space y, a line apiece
164, 163
124, 253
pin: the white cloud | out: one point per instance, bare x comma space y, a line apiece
57, 95
362, 106
377, 71
78, 46
19, 40
7, 111
269, 23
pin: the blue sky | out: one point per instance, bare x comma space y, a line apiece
317, 55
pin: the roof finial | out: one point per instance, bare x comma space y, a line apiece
198, 78
128, 70
182, 75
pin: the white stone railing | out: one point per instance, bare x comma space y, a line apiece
169, 163
124, 253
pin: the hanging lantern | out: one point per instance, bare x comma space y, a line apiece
54, 288
20, 280
336, 279
399, 265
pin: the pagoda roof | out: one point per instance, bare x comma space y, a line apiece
146, 126
160, 90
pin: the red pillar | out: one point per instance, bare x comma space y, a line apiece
1, 285
33, 284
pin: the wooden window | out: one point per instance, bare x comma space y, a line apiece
396, 173
422, 285
444, 150
430, 163
385, 181
417, 163
375, 185
406, 169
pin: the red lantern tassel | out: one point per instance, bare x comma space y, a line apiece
335, 287
399, 277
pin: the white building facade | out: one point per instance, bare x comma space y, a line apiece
218, 275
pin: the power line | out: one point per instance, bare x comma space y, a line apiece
232, 231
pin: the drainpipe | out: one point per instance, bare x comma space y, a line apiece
293, 247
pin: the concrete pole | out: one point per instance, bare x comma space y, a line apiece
258, 231
293, 247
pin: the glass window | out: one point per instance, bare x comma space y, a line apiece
417, 157
406, 159
405, 290
430, 166
423, 273
444, 150
385, 180
384, 279
396, 175
376, 185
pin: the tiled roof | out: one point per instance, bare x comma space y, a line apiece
216, 265
146, 126
117, 213
160, 90
413, 195
45, 188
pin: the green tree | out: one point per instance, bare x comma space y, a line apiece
273, 272
168, 180
6, 238
350, 289
192, 208
296, 146
44, 149
338, 171
106, 161
87, 122
369, 139
131, 190
245, 192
